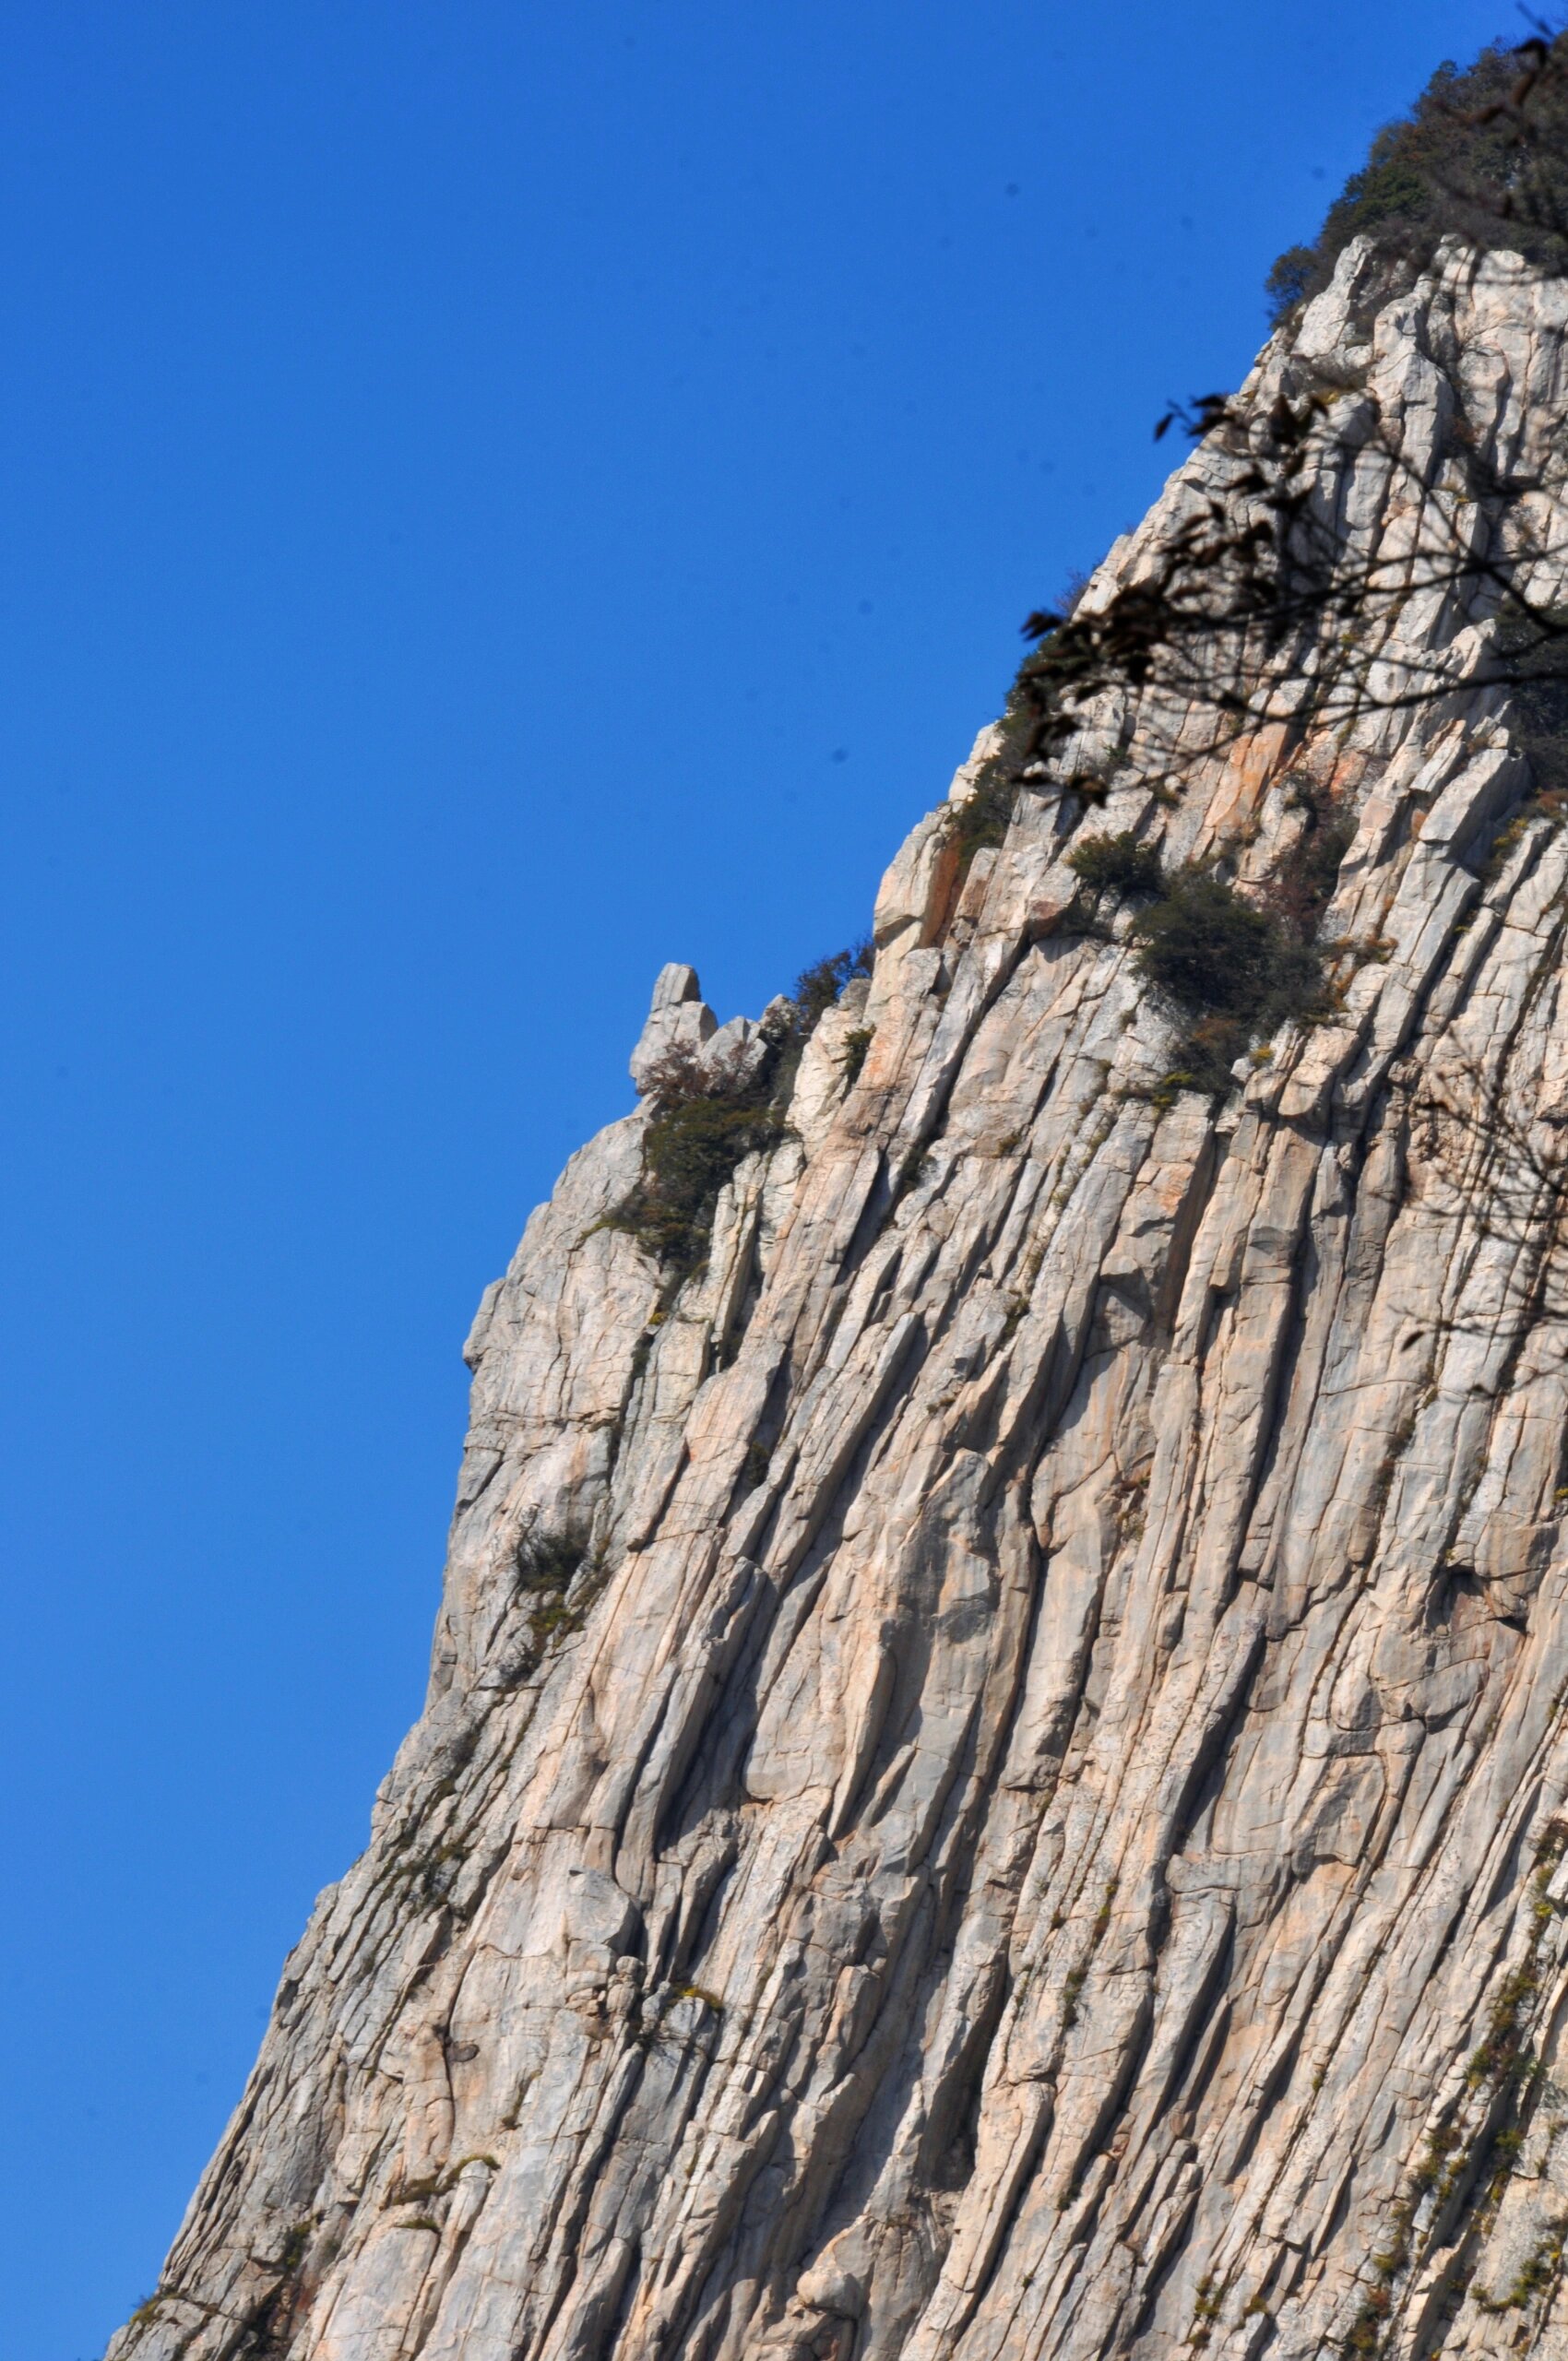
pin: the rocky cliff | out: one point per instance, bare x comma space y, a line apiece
995, 1779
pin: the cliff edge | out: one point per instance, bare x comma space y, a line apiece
995, 1780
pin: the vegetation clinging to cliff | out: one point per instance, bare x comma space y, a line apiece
1482, 154
707, 1116
703, 1124
1230, 965
1119, 864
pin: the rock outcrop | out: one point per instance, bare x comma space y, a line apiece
995, 1780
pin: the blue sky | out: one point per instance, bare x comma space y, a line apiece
495, 497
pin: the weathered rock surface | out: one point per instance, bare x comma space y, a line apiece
1032, 1830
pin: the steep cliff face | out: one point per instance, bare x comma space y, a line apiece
993, 1774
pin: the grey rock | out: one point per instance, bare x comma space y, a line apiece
1033, 1820
680, 1023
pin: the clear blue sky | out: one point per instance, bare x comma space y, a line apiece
492, 496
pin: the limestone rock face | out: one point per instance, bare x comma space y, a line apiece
992, 1772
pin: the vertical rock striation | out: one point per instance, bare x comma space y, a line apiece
995, 1780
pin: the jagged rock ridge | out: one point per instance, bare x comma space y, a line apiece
992, 1772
